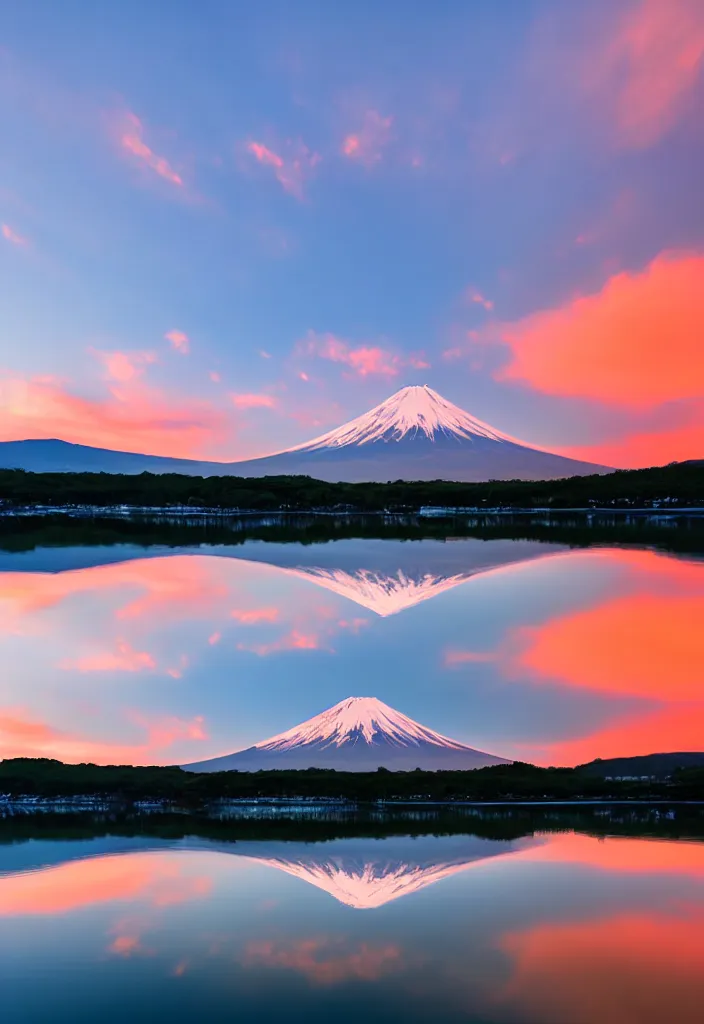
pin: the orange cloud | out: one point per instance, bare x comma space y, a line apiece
249, 401
619, 854
22, 735
646, 645
637, 342
156, 879
367, 144
124, 659
632, 966
132, 142
11, 236
125, 945
290, 170
133, 417
325, 961
631, 735
363, 361
642, 72
644, 449
179, 341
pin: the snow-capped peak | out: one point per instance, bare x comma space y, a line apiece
358, 719
411, 411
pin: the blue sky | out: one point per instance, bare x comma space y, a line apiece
226, 228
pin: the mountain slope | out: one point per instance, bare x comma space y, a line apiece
358, 734
416, 434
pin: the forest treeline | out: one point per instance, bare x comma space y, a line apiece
47, 778
679, 483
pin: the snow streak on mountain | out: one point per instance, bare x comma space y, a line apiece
409, 413
358, 734
416, 434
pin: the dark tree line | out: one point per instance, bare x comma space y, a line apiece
48, 778
681, 483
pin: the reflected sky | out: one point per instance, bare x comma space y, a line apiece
554, 927
522, 648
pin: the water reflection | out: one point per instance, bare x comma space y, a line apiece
550, 927
151, 655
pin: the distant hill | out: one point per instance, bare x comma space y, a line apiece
651, 765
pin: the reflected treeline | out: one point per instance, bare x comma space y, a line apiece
676, 533
320, 823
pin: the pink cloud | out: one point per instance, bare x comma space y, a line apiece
215, 376
253, 615
291, 169
642, 71
363, 361
13, 237
366, 145
214, 638
132, 142
325, 961
124, 366
179, 341
418, 362
123, 659
474, 296
253, 401
295, 640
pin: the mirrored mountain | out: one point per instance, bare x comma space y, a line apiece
382, 576
368, 873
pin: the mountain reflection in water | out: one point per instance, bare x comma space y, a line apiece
555, 923
170, 652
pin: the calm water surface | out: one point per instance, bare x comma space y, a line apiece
568, 920
549, 640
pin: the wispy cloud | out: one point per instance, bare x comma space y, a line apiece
642, 70
473, 295
291, 167
123, 659
132, 142
179, 341
366, 144
10, 235
253, 401
362, 360
124, 366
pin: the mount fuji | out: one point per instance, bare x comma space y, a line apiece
416, 434
360, 734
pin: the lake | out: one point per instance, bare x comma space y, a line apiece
508, 916
550, 639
